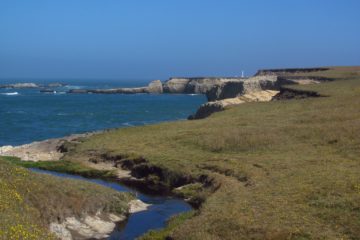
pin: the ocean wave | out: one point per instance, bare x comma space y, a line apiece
10, 93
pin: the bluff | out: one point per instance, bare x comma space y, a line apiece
265, 84
199, 85
235, 88
196, 85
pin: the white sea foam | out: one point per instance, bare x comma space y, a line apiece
10, 93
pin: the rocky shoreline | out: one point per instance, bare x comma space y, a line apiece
32, 85
47, 150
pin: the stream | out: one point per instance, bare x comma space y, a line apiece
155, 217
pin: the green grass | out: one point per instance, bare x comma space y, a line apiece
30, 201
285, 169
171, 226
63, 166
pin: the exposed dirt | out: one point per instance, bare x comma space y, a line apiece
289, 93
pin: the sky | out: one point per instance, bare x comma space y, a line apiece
157, 39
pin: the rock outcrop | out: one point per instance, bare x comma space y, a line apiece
111, 91
198, 85
98, 226
235, 88
87, 227
20, 85
176, 85
47, 150
56, 84
155, 86
32, 85
209, 108
173, 85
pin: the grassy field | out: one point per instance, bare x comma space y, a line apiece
283, 169
30, 201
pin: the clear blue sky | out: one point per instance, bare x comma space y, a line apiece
160, 38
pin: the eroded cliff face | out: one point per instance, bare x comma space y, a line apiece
194, 85
175, 85
235, 88
155, 86
209, 108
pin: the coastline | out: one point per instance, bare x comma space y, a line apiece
255, 151
45, 150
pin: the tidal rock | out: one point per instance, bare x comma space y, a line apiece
78, 91
155, 86
120, 90
111, 91
56, 84
20, 85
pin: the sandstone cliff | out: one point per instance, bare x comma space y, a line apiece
173, 85
235, 88
155, 86
209, 108
198, 85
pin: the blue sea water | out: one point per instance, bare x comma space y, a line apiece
26, 115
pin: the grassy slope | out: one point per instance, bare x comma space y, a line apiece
300, 159
30, 201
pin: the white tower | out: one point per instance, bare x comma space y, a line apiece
242, 74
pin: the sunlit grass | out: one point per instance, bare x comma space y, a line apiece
30, 201
286, 169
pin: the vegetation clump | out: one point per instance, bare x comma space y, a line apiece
30, 201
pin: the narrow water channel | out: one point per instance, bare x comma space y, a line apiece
155, 217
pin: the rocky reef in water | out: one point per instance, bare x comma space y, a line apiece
198, 85
32, 85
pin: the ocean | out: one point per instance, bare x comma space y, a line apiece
26, 115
